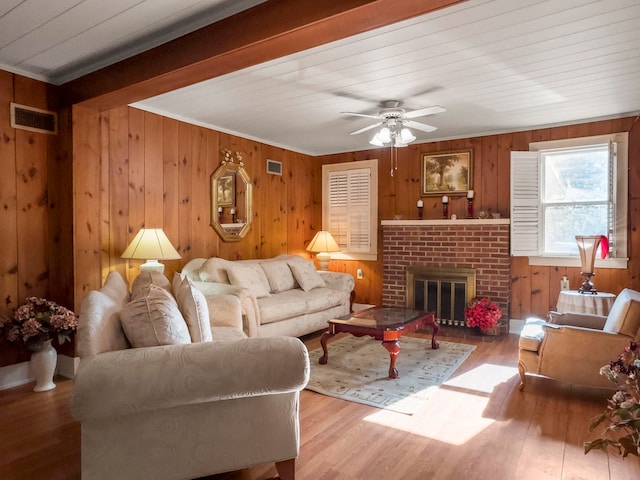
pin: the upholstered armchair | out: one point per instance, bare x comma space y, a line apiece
187, 410
573, 347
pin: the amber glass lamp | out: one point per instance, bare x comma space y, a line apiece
588, 245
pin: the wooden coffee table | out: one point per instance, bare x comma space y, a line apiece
382, 323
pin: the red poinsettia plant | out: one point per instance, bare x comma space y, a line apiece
483, 313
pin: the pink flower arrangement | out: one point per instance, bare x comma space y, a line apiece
37, 321
482, 313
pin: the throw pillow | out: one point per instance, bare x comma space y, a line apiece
142, 282
249, 276
279, 275
116, 288
153, 319
193, 306
306, 275
624, 316
215, 270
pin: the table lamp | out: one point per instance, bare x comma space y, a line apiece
587, 245
322, 244
151, 244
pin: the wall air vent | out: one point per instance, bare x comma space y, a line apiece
274, 167
33, 119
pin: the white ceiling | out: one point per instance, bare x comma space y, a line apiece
495, 65
59, 40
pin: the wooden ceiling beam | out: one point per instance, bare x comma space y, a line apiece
267, 31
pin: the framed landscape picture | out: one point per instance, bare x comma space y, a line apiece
447, 173
227, 190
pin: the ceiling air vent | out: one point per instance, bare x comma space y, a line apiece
33, 119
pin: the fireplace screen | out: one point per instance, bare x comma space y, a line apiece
444, 291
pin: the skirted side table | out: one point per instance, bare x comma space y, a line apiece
572, 301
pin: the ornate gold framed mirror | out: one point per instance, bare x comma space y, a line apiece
231, 198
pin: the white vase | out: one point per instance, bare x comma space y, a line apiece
43, 363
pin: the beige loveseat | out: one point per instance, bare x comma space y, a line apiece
573, 347
284, 295
183, 410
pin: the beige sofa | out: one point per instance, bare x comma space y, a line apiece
284, 295
572, 347
187, 409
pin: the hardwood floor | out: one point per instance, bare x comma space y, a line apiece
480, 427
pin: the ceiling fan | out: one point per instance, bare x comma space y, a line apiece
395, 122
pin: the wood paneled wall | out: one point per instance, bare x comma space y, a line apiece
35, 206
65, 222
135, 169
534, 289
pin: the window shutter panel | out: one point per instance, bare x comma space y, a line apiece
525, 204
349, 209
359, 213
338, 207
611, 224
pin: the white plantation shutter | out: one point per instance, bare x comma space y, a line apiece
350, 207
525, 204
338, 218
611, 227
528, 230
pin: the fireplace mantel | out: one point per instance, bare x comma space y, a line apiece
481, 245
449, 223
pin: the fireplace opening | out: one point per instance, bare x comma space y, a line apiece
445, 291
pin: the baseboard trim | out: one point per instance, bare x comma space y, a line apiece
20, 373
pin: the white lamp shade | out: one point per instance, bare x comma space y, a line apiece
398, 143
406, 136
323, 241
385, 135
321, 244
151, 244
376, 141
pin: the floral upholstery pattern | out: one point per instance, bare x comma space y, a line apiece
182, 411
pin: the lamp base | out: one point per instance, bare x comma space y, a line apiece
152, 266
323, 260
587, 286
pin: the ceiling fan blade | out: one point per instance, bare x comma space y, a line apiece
366, 128
419, 126
423, 112
366, 115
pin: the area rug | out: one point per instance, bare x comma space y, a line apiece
358, 371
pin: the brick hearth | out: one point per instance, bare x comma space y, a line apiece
479, 244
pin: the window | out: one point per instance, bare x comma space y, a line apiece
567, 188
350, 208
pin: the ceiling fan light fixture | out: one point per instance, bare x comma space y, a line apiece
376, 140
385, 134
406, 136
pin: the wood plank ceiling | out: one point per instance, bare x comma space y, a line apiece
495, 65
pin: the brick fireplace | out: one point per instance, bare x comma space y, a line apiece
480, 245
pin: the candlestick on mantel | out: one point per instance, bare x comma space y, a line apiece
470, 195
445, 206
233, 215
420, 205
